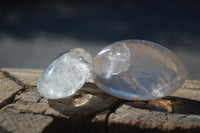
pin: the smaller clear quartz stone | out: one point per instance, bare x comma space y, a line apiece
66, 74
138, 70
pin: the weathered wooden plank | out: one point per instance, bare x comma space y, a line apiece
23, 123
189, 90
2, 75
177, 113
92, 110
8, 89
128, 118
99, 122
79, 109
27, 76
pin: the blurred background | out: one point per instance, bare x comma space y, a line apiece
33, 33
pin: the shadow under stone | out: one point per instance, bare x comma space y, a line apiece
170, 104
82, 107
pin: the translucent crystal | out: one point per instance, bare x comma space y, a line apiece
66, 74
138, 70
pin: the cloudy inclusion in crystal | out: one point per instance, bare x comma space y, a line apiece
138, 70
65, 75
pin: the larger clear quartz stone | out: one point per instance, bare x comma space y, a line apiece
138, 70
66, 74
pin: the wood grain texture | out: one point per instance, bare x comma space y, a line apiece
27, 77
91, 110
8, 89
23, 123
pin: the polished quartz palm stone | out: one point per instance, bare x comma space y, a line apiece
66, 74
138, 70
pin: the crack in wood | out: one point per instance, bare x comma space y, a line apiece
112, 110
16, 80
9, 100
161, 115
12, 97
181, 118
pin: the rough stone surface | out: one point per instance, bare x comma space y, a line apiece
138, 70
66, 74
91, 110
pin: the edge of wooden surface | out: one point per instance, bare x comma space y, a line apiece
91, 110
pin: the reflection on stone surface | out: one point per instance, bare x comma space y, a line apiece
138, 70
66, 74
82, 100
